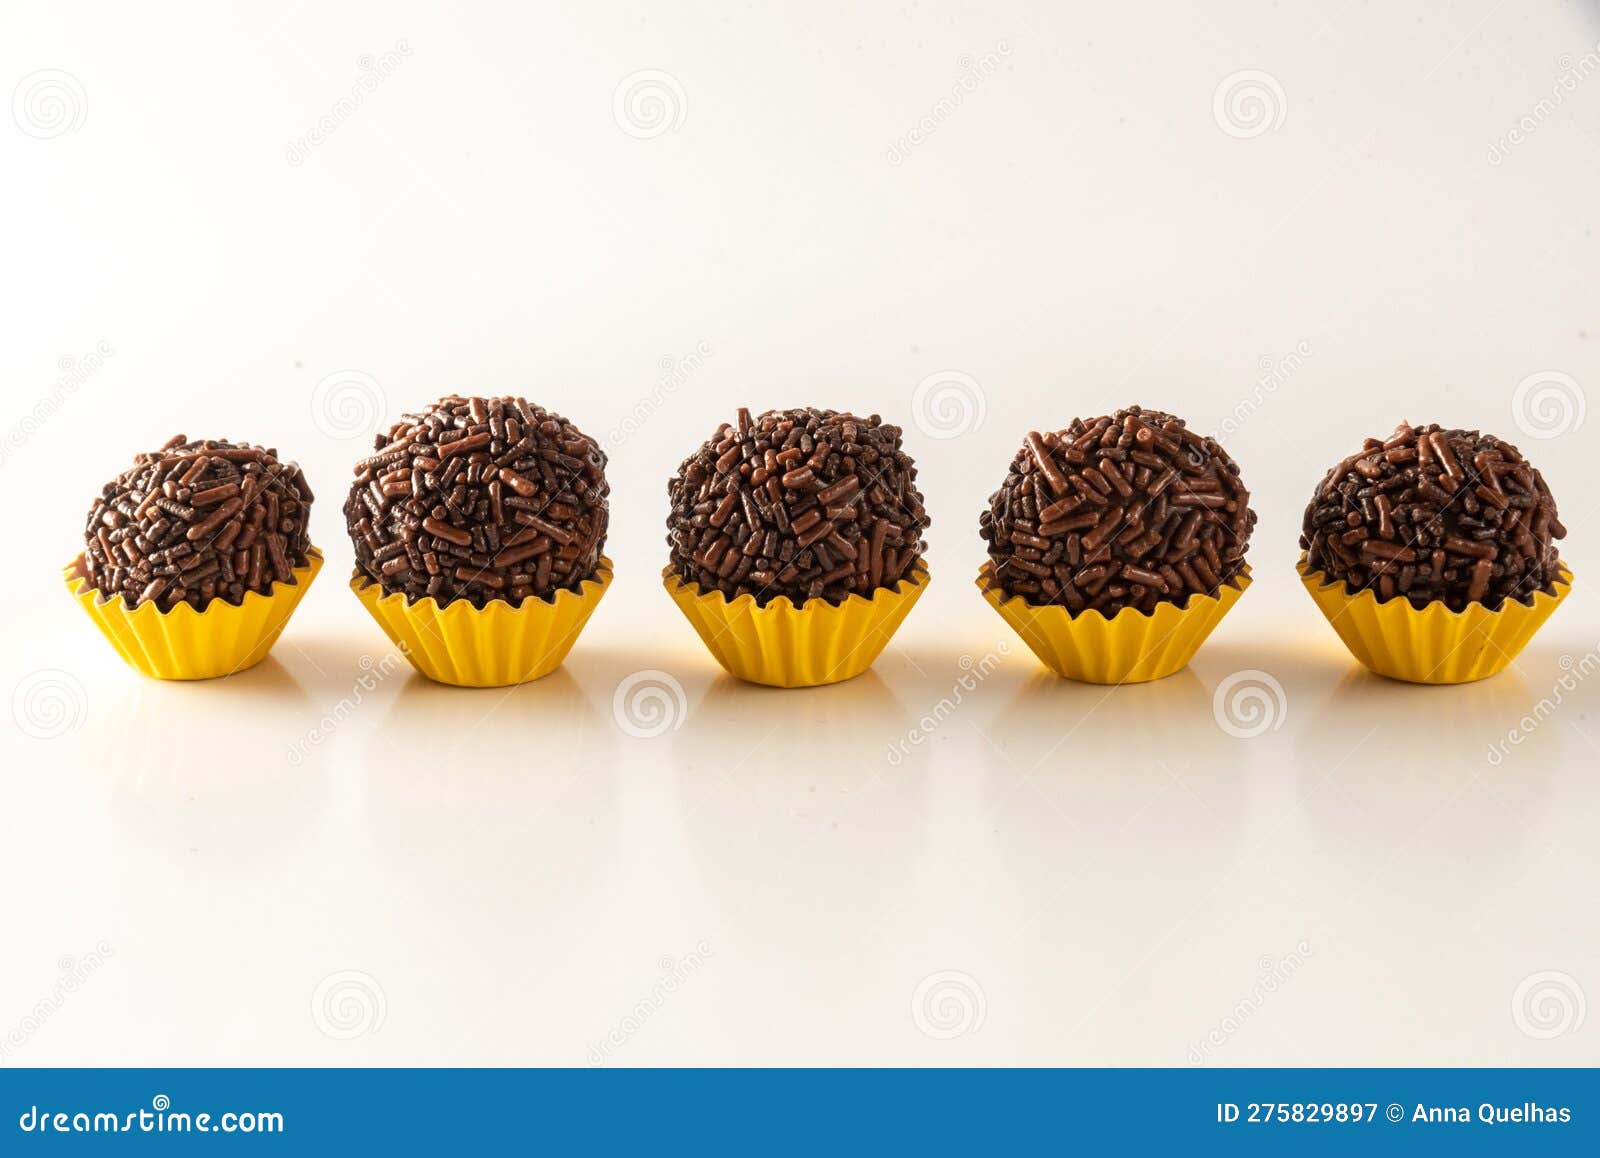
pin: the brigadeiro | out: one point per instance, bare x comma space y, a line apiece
1130, 510
1435, 516
197, 522
480, 499
800, 504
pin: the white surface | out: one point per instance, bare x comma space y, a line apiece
506, 872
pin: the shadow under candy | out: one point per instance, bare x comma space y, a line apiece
1114, 772
203, 767
1128, 734
441, 742
1403, 792
469, 791
1413, 740
768, 776
778, 746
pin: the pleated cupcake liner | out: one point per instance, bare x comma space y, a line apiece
1131, 647
785, 646
490, 647
1430, 645
185, 644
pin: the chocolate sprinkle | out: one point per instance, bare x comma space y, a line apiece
480, 499
1129, 510
1435, 515
198, 521
797, 504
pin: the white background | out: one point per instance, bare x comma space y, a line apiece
1056, 873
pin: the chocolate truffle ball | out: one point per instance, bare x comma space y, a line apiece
197, 521
802, 504
479, 499
1435, 515
1129, 510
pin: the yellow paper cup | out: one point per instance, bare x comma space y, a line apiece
185, 644
1433, 645
785, 646
1130, 648
489, 647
